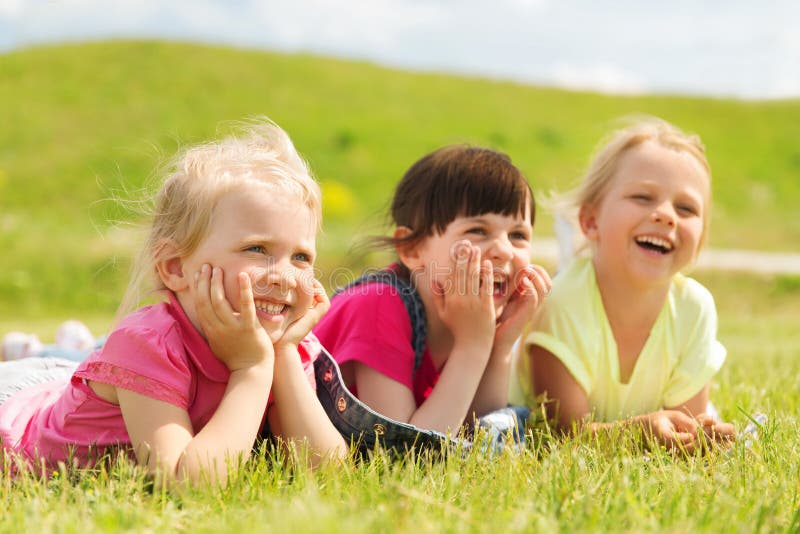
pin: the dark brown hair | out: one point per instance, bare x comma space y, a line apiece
453, 181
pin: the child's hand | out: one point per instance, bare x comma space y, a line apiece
311, 295
237, 339
532, 286
673, 429
464, 300
715, 431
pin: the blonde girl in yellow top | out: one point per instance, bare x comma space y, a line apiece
624, 338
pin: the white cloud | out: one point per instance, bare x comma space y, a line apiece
11, 8
603, 77
720, 47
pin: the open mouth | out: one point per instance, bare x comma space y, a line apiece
270, 308
656, 244
499, 285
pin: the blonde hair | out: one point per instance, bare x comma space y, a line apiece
198, 177
604, 164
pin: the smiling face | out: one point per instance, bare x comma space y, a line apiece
268, 234
648, 224
505, 240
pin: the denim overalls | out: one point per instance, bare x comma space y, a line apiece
365, 428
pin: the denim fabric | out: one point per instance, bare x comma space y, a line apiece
19, 374
364, 427
358, 423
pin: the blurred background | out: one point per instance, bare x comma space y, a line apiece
95, 96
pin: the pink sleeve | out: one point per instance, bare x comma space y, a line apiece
144, 361
310, 349
369, 324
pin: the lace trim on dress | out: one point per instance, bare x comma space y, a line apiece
114, 375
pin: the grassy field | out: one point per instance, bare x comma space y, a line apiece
554, 485
83, 124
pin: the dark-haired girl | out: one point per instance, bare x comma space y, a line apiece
463, 220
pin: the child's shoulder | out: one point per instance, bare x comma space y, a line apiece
159, 317
163, 324
575, 281
689, 293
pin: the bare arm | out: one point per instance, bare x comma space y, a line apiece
162, 434
533, 285
464, 304
297, 415
163, 438
697, 407
446, 407
569, 406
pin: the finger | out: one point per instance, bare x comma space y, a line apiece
530, 293
437, 292
476, 277
486, 279
683, 422
463, 261
542, 273
519, 280
203, 295
222, 307
320, 303
247, 305
721, 432
684, 441
540, 283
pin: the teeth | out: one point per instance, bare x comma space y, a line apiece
656, 241
270, 308
499, 286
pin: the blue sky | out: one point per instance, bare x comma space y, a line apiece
744, 49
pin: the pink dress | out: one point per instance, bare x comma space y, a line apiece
156, 352
369, 324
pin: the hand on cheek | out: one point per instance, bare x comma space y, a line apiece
236, 338
532, 286
310, 306
463, 298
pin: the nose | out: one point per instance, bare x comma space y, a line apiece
664, 213
500, 250
277, 274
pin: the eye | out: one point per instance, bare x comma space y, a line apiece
519, 235
258, 249
476, 230
642, 197
688, 209
303, 257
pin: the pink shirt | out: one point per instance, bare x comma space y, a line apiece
369, 324
156, 352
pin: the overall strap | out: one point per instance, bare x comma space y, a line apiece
411, 300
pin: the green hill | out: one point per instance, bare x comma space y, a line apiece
84, 123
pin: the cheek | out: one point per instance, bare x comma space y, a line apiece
522, 258
694, 230
232, 290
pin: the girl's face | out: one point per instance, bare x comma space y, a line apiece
649, 222
505, 240
271, 236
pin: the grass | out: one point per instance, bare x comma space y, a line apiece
91, 121
554, 485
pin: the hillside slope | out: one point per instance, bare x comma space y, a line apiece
85, 123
